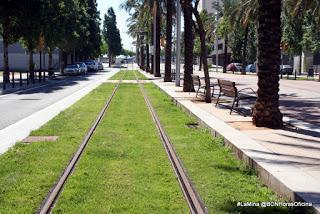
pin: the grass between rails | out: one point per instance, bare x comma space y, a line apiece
27, 172
220, 179
125, 168
128, 75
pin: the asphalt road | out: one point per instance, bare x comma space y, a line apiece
19, 105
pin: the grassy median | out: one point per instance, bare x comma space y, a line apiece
128, 75
28, 171
221, 180
125, 168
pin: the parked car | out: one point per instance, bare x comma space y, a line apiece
73, 69
286, 69
100, 66
251, 68
83, 67
91, 66
234, 67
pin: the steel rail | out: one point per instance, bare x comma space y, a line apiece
50, 200
196, 205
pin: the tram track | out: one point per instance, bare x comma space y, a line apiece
52, 197
195, 203
193, 199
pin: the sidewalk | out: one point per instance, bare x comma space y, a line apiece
25, 86
286, 160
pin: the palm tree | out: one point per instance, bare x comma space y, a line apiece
266, 111
188, 45
167, 74
157, 17
204, 51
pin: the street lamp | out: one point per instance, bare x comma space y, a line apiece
178, 47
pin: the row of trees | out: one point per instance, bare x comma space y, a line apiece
300, 31
70, 25
247, 24
111, 35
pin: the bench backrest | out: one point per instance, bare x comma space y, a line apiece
196, 80
228, 88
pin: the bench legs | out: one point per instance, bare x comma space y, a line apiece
235, 101
218, 98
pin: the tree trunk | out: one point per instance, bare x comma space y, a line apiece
188, 46
50, 69
266, 111
148, 58
167, 74
31, 64
157, 45
110, 60
6, 74
200, 63
142, 66
204, 54
225, 57
244, 51
152, 44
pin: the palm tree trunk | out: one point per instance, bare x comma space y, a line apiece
142, 57
225, 57
188, 45
167, 74
152, 44
266, 111
244, 51
157, 45
204, 53
148, 58
6, 75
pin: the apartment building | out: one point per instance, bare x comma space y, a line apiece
219, 45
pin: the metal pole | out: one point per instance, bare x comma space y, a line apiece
154, 40
178, 47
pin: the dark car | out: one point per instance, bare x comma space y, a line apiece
286, 69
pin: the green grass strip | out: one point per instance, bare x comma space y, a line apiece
125, 168
219, 177
28, 171
128, 75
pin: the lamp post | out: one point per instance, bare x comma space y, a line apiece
178, 46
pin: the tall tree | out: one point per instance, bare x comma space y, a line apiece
112, 35
188, 45
204, 51
266, 111
8, 30
157, 17
30, 27
167, 74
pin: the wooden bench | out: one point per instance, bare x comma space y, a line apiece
197, 83
229, 89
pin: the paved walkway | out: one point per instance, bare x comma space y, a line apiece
287, 160
28, 110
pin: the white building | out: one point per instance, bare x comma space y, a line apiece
19, 58
219, 45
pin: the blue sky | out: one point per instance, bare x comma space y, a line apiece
122, 17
